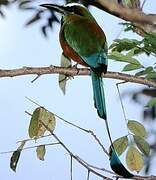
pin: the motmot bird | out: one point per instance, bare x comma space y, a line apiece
83, 41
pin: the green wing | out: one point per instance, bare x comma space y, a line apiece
84, 36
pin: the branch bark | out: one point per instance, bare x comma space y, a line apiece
73, 72
144, 22
125, 13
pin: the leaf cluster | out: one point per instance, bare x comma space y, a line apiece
135, 144
125, 50
41, 119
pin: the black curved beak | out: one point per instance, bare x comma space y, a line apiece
54, 7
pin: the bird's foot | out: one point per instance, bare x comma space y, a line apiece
76, 68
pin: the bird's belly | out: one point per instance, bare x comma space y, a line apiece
69, 52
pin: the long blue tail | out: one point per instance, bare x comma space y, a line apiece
99, 97
99, 101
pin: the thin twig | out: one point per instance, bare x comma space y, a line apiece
88, 174
33, 103
94, 167
122, 105
71, 167
74, 156
35, 78
31, 147
74, 125
88, 131
30, 139
143, 4
85, 130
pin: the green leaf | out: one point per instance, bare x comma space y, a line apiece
123, 58
144, 72
151, 75
142, 145
40, 116
137, 128
14, 159
128, 26
65, 62
120, 144
48, 119
124, 44
135, 51
34, 123
24, 2
130, 53
33, 19
151, 102
62, 82
149, 43
134, 159
131, 67
16, 155
41, 152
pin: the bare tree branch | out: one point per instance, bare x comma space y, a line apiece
143, 22
76, 157
125, 13
73, 72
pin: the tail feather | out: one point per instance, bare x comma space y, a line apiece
99, 97
99, 102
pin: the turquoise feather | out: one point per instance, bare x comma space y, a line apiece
99, 97
98, 60
117, 166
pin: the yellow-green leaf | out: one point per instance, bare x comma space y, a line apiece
137, 128
48, 119
62, 82
142, 145
34, 123
134, 159
41, 116
41, 152
65, 62
120, 144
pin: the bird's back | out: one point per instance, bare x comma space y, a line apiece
83, 36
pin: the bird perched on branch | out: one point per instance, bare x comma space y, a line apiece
83, 41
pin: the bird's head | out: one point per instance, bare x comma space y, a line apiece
69, 9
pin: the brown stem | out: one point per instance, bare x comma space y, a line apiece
73, 72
